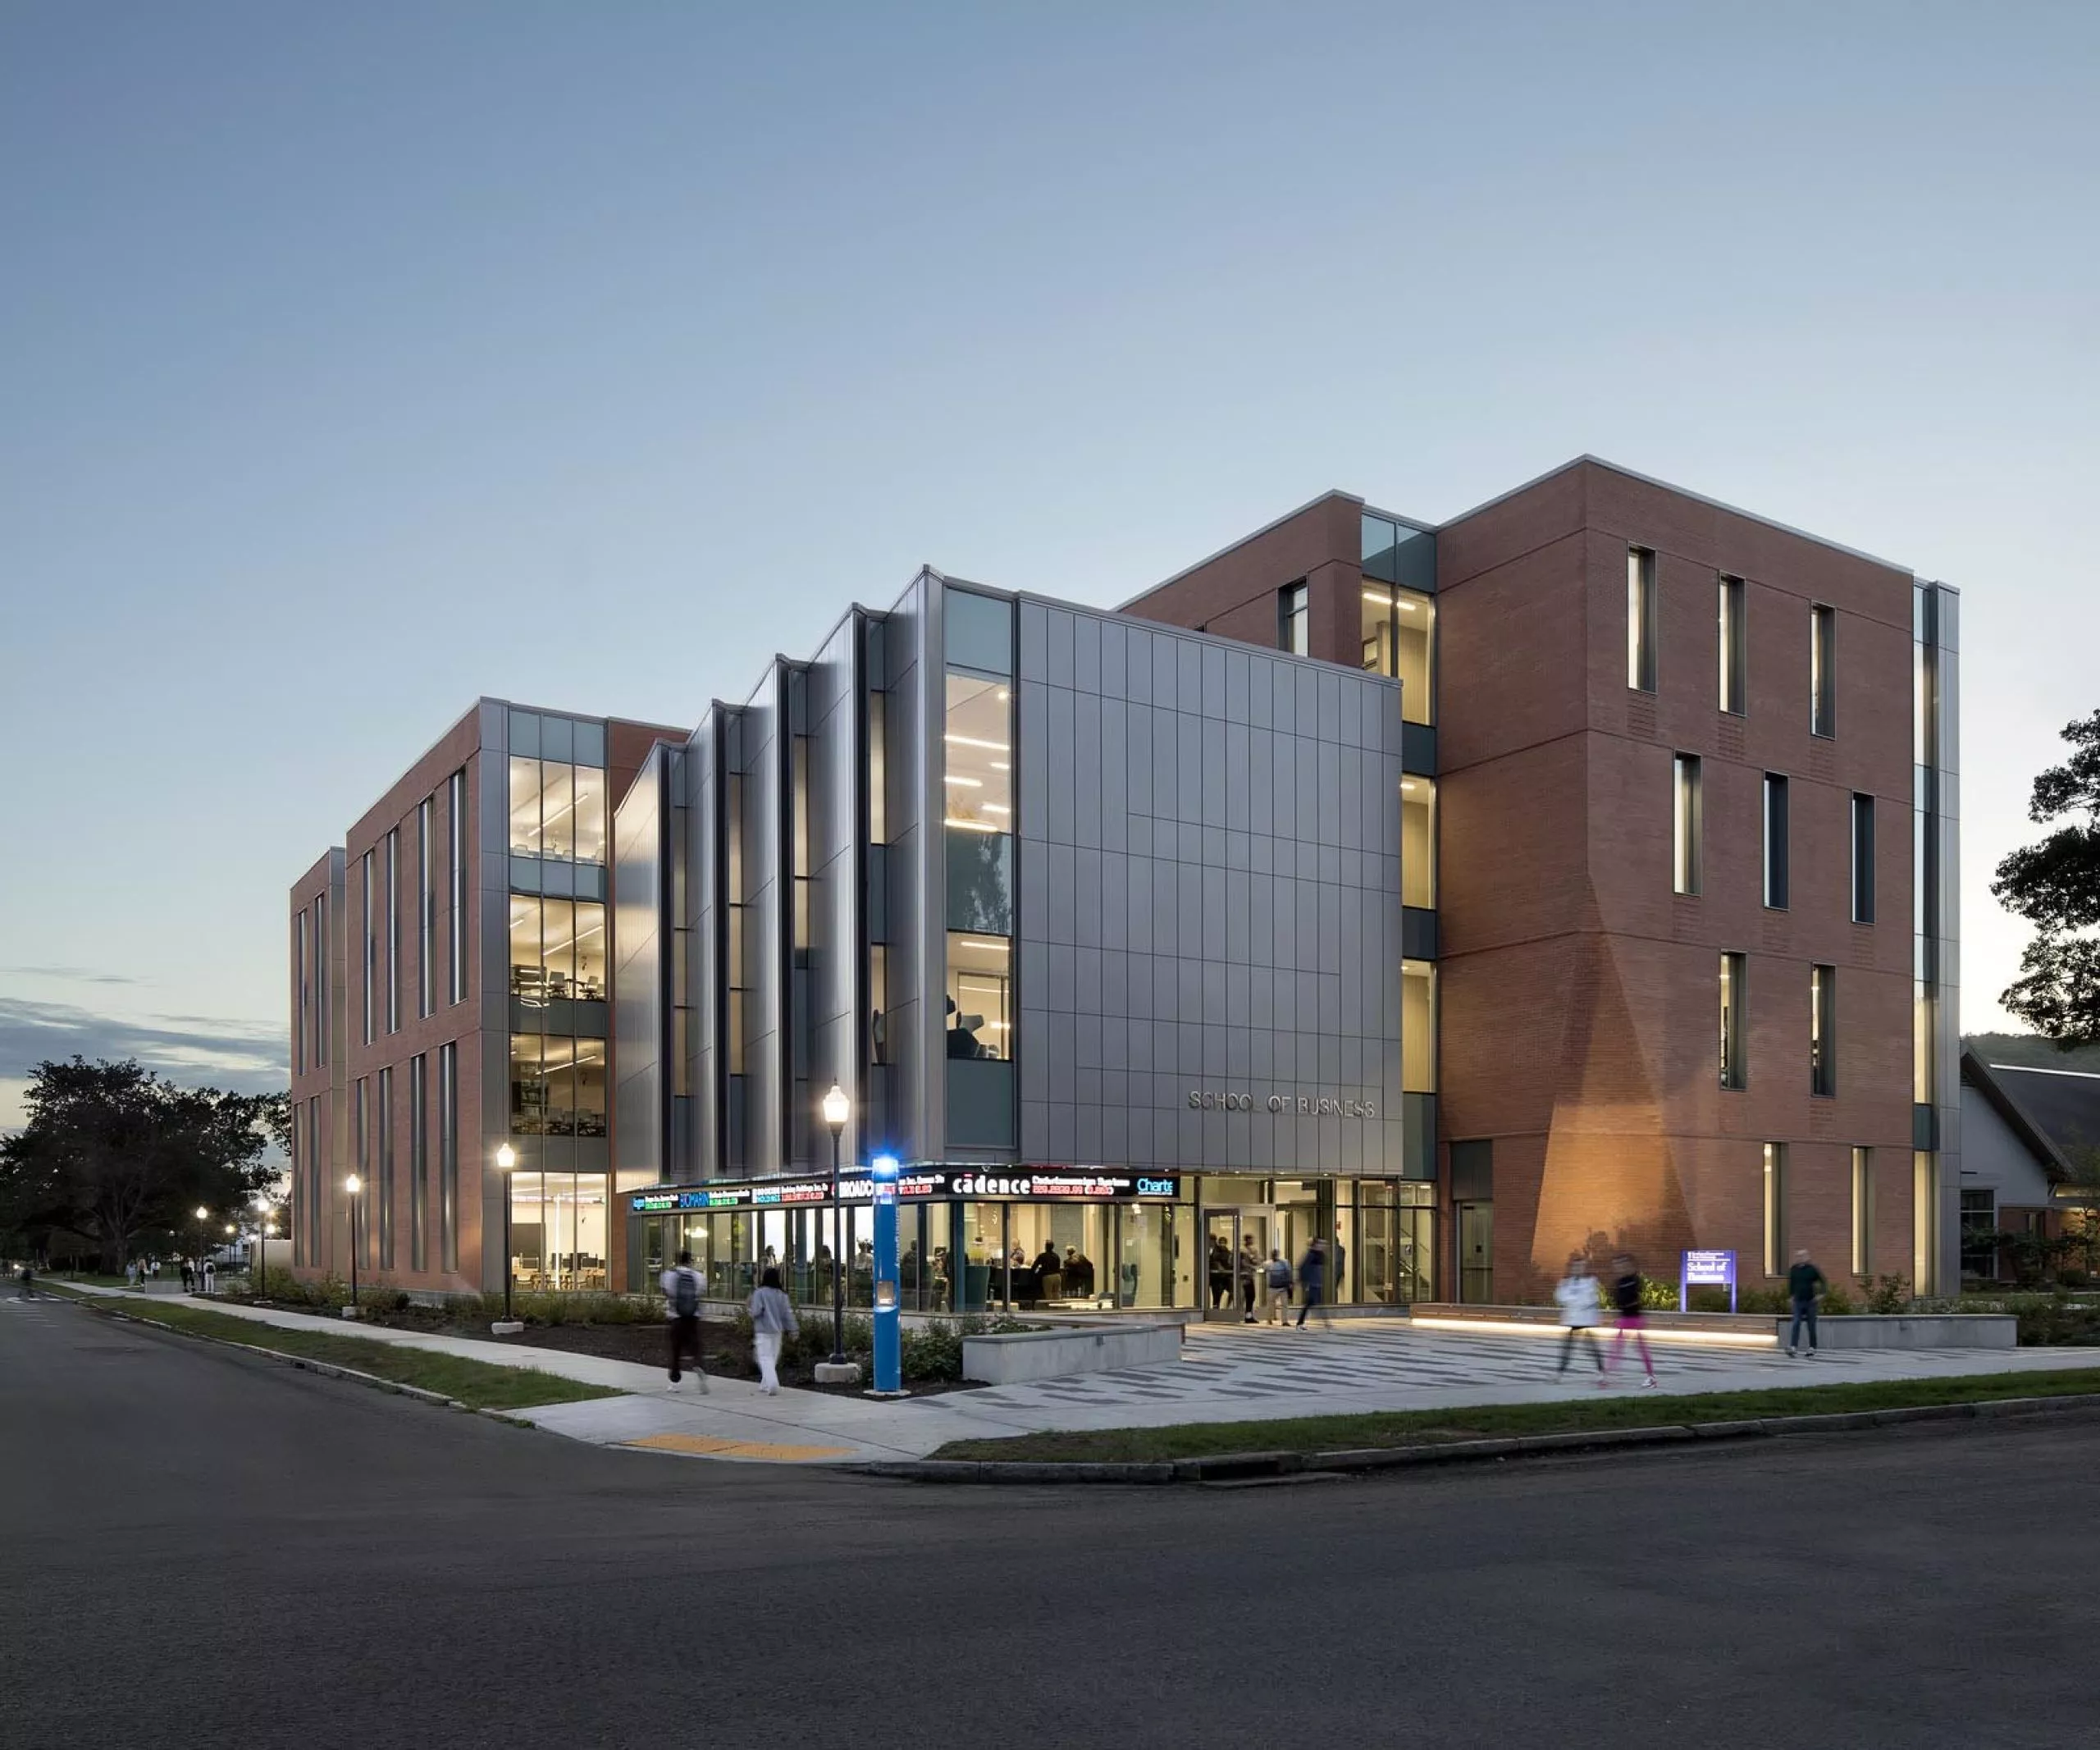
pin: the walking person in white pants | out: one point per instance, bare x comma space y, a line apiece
773, 1319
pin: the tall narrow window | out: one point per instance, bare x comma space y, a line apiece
1862, 1212
370, 947
1735, 1032
1641, 619
1863, 871
394, 931
1823, 1029
448, 1156
1294, 620
302, 997
456, 984
419, 1162
381, 1213
1822, 679
361, 1155
426, 907
1729, 643
1685, 825
877, 768
1775, 1209
799, 846
320, 980
1775, 842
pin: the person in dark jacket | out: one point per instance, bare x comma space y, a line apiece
1806, 1284
1311, 1284
1219, 1268
1626, 1300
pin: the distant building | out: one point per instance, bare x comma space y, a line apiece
2027, 1133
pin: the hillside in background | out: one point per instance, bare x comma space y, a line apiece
2031, 1052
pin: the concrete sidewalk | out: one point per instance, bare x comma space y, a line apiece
1227, 1374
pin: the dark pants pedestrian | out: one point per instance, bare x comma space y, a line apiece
1567, 1347
1803, 1309
1313, 1302
1247, 1297
1221, 1291
685, 1340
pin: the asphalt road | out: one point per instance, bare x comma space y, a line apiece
200, 1549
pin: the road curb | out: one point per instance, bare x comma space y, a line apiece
325, 1369
1243, 1466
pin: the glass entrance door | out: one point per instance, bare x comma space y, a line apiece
1236, 1244
1477, 1253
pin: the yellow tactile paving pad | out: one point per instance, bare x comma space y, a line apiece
702, 1446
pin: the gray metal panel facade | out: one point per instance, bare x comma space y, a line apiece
1207, 838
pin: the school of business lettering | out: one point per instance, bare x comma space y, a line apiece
1305, 1105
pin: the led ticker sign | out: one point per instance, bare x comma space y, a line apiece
1058, 1184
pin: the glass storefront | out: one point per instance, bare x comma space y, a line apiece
1069, 1253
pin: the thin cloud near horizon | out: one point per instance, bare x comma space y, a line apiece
240, 1056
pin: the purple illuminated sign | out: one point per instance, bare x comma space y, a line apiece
1706, 1270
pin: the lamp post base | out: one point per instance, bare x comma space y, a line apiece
838, 1373
508, 1327
349, 1312
887, 1396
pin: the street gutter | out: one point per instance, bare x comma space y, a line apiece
1242, 1466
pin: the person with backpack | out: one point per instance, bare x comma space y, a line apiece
1625, 1299
1277, 1278
773, 1321
1580, 1312
683, 1287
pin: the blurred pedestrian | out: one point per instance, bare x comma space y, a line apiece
773, 1320
1806, 1284
1249, 1270
188, 1277
1312, 1285
211, 1275
683, 1287
1581, 1311
1625, 1299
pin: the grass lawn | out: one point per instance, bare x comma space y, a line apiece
475, 1383
1414, 1428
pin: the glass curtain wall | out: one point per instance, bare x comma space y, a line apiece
1418, 841
1399, 612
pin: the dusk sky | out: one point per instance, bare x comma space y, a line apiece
357, 360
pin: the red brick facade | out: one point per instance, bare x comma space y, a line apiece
1580, 1010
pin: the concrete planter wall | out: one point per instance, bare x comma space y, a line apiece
1070, 1349
1911, 1330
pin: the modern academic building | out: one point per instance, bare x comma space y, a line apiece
1580, 870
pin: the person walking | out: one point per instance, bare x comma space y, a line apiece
188, 1277
683, 1287
28, 1280
1625, 1299
1250, 1272
1805, 1286
1279, 1284
1579, 1312
773, 1319
1312, 1285
1220, 1271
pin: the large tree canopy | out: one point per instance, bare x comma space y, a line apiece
2055, 885
116, 1153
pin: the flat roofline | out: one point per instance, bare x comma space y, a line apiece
1701, 498
1274, 523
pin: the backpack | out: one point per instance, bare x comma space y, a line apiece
685, 1295
1279, 1273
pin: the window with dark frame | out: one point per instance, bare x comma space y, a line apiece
1685, 824
1863, 865
1735, 1031
1729, 642
1775, 842
1823, 685
1822, 1031
1641, 619
1862, 1212
1294, 620
1775, 1209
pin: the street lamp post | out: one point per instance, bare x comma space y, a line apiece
506, 1158
836, 1110
262, 1233
204, 1215
233, 1233
354, 1185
